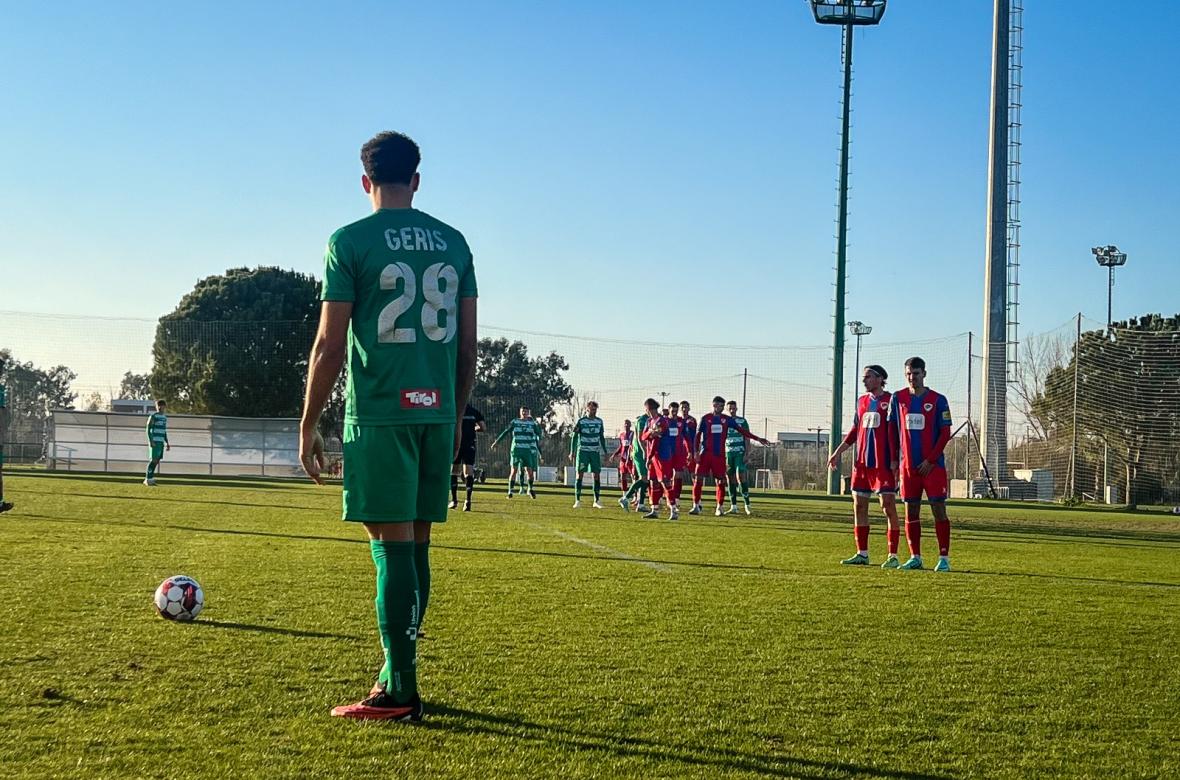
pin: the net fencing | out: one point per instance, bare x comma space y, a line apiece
1126, 411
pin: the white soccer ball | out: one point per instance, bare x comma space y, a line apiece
179, 598
1176, 510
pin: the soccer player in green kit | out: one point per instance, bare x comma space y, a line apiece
526, 450
735, 461
157, 434
588, 444
639, 457
399, 301
4, 505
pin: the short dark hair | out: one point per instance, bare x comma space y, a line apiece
651, 404
878, 370
718, 399
916, 362
390, 158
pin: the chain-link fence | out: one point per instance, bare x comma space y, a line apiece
1125, 410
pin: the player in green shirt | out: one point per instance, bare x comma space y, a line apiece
4, 505
157, 436
589, 445
639, 457
399, 302
526, 450
735, 460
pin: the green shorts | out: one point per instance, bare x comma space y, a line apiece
157, 450
735, 461
526, 458
397, 473
589, 461
640, 466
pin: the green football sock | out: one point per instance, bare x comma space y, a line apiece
530, 483
733, 491
578, 490
511, 482
397, 616
422, 567
151, 469
643, 492
597, 488
746, 492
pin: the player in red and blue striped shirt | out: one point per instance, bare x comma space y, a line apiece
873, 465
709, 449
920, 421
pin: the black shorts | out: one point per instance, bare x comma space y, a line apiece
466, 456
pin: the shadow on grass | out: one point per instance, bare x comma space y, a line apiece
634, 559
180, 500
253, 483
696, 756
1069, 578
272, 630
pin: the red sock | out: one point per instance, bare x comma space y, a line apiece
677, 485
657, 492
720, 493
894, 536
942, 530
862, 538
698, 487
913, 535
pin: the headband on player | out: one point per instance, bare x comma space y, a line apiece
878, 370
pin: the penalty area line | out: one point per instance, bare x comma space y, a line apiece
612, 553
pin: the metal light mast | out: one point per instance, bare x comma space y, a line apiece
849, 14
994, 419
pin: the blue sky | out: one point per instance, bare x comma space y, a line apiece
589, 151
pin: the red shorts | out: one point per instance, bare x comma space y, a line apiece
866, 480
627, 467
914, 484
660, 470
709, 464
680, 461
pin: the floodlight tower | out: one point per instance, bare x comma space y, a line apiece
1110, 258
858, 329
849, 14
996, 310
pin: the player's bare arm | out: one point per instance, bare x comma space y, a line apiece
465, 365
327, 358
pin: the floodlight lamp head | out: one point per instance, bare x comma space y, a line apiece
848, 12
858, 328
1109, 256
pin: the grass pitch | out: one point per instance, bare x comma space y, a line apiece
585, 643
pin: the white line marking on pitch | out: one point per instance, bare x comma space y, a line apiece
622, 556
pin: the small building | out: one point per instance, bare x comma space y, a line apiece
133, 405
801, 441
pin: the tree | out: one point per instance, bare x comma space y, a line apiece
136, 387
506, 378
238, 344
93, 401
33, 394
1128, 400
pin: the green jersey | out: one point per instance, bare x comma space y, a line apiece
157, 428
637, 446
734, 441
526, 434
404, 272
589, 436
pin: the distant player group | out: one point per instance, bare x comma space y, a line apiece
662, 451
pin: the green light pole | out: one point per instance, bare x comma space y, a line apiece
849, 14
